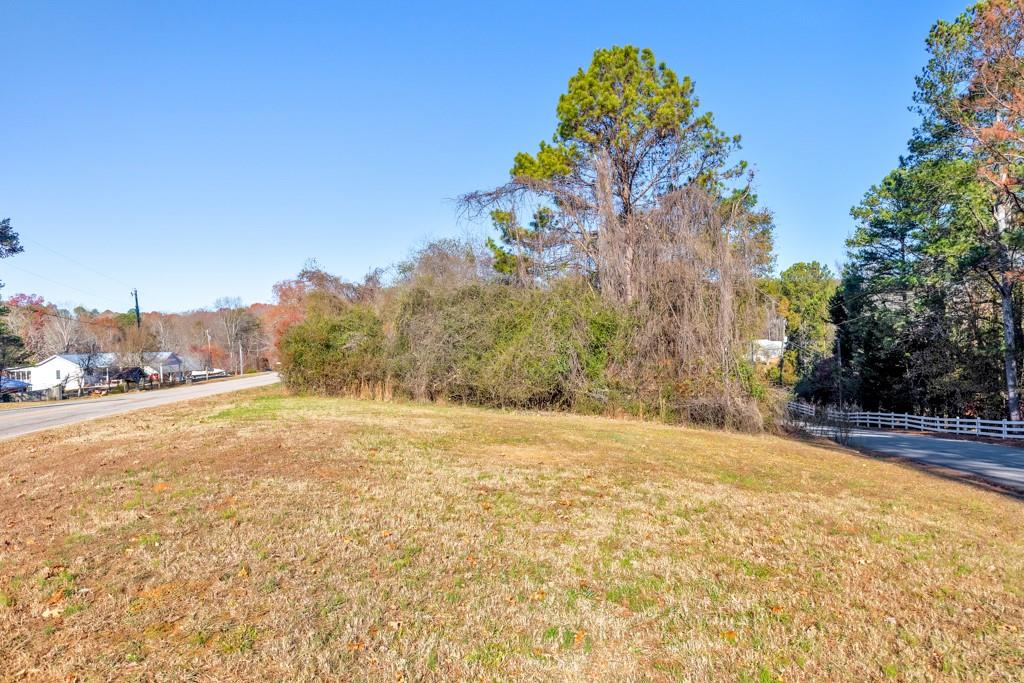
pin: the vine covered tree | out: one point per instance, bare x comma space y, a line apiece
629, 135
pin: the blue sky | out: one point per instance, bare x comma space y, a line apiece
198, 150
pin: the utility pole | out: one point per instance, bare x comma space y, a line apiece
839, 360
209, 350
138, 314
241, 361
782, 356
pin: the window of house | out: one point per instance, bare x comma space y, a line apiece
58, 374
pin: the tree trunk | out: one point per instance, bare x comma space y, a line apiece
1009, 347
1005, 288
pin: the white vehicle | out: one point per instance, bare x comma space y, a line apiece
199, 375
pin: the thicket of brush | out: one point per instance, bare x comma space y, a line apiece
450, 328
631, 289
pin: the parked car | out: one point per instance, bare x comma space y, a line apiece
13, 386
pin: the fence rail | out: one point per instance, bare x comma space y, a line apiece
968, 426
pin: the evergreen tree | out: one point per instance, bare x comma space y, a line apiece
12, 349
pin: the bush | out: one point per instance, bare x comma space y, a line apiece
502, 345
441, 335
334, 353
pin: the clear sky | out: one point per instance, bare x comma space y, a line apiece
197, 150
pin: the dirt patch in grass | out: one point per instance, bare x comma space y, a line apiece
261, 536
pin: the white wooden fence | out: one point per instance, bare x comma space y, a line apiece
971, 426
801, 409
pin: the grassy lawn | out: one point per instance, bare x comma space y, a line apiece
258, 536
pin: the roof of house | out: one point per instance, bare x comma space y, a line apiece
97, 360
161, 358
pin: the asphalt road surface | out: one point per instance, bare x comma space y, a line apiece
35, 416
1003, 465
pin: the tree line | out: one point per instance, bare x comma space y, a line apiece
927, 315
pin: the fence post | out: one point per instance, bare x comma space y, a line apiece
977, 426
1004, 428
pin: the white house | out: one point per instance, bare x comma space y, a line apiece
68, 370
767, 350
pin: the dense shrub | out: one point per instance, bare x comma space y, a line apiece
333, 353
497, 344
486, 343
443, 331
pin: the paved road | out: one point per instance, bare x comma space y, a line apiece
33, 417
1002, 465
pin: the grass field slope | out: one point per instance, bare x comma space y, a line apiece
260, 536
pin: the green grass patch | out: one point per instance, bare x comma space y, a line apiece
259, 409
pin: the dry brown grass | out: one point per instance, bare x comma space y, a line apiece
264, 537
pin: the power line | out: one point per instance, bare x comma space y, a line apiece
77, 263
43, 311
60, 284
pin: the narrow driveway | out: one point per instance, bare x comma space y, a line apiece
1002, 465
33, 417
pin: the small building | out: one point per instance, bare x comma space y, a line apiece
165, 365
